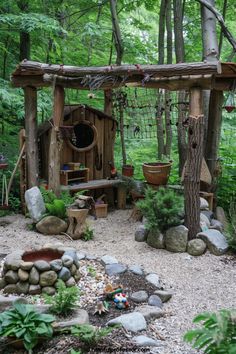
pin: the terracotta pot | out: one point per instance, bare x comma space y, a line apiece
157, 173
128, 170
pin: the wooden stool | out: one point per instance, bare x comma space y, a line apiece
209, 197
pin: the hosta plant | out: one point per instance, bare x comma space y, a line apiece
22, 322
217, 334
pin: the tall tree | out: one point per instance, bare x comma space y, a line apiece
24, 36
116, 32
180, 58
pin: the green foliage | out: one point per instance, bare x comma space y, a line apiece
66, 197
23, 322
90, 335
88, 233
65, 299
217, 334
91, 271
75, 351
162, 208
231, 232
48, 195
56, 208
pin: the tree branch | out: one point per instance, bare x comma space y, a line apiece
220, 19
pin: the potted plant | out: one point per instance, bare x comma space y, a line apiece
24, 326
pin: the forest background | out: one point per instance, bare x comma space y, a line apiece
84, 33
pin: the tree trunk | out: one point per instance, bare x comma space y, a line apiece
221, 31
116, 32
55, 141
159, 117
180, 58
193, 163
168, 128
161, 34
24, 36
31, 136
209, 37
122, 137
214, 129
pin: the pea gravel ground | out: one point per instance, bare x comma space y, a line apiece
206, 283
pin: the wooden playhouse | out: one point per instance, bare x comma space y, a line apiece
86, 144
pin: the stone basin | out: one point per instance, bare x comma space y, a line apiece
38, 271
41, 255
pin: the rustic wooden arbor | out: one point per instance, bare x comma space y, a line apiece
194, 77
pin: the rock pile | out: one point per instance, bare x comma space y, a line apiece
175, 239
36, 272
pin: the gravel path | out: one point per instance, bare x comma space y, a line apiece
205, 283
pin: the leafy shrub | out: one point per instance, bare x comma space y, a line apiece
90, 335
88, 233
218, 334
64, 301
23, 322
56, 208
48, 195
162, 208
231, 232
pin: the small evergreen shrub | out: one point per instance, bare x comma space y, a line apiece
217, 334
162, 208
65, 299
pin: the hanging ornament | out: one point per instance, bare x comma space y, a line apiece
230, 101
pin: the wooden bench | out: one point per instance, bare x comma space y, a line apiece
101, 184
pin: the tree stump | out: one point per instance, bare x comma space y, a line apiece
77, 223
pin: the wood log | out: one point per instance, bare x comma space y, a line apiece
55, 141
193, 163
31, 136
35, 68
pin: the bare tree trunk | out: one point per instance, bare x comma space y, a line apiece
210, 53
159, 117
122, 137
168, 128
24, 36
31, 136
116, 32
193, 163
214, 129
161, 55
221, 31
180, 57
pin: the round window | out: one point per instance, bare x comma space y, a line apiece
84, 137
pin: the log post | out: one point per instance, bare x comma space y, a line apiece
31, 136
55, 142
193, 163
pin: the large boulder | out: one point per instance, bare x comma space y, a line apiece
204, 219
204, 205
51, 225
176, 239
217, 225
220, 215
35, 204
215, 240
196, 247
155, 239
133, 322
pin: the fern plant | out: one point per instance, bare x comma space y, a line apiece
56, 208
162, 208
90, 335
218, 333
65, 299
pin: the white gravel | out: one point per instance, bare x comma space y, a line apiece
200, 284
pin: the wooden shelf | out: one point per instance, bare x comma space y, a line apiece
67, 176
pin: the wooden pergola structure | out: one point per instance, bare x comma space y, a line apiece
195, 77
